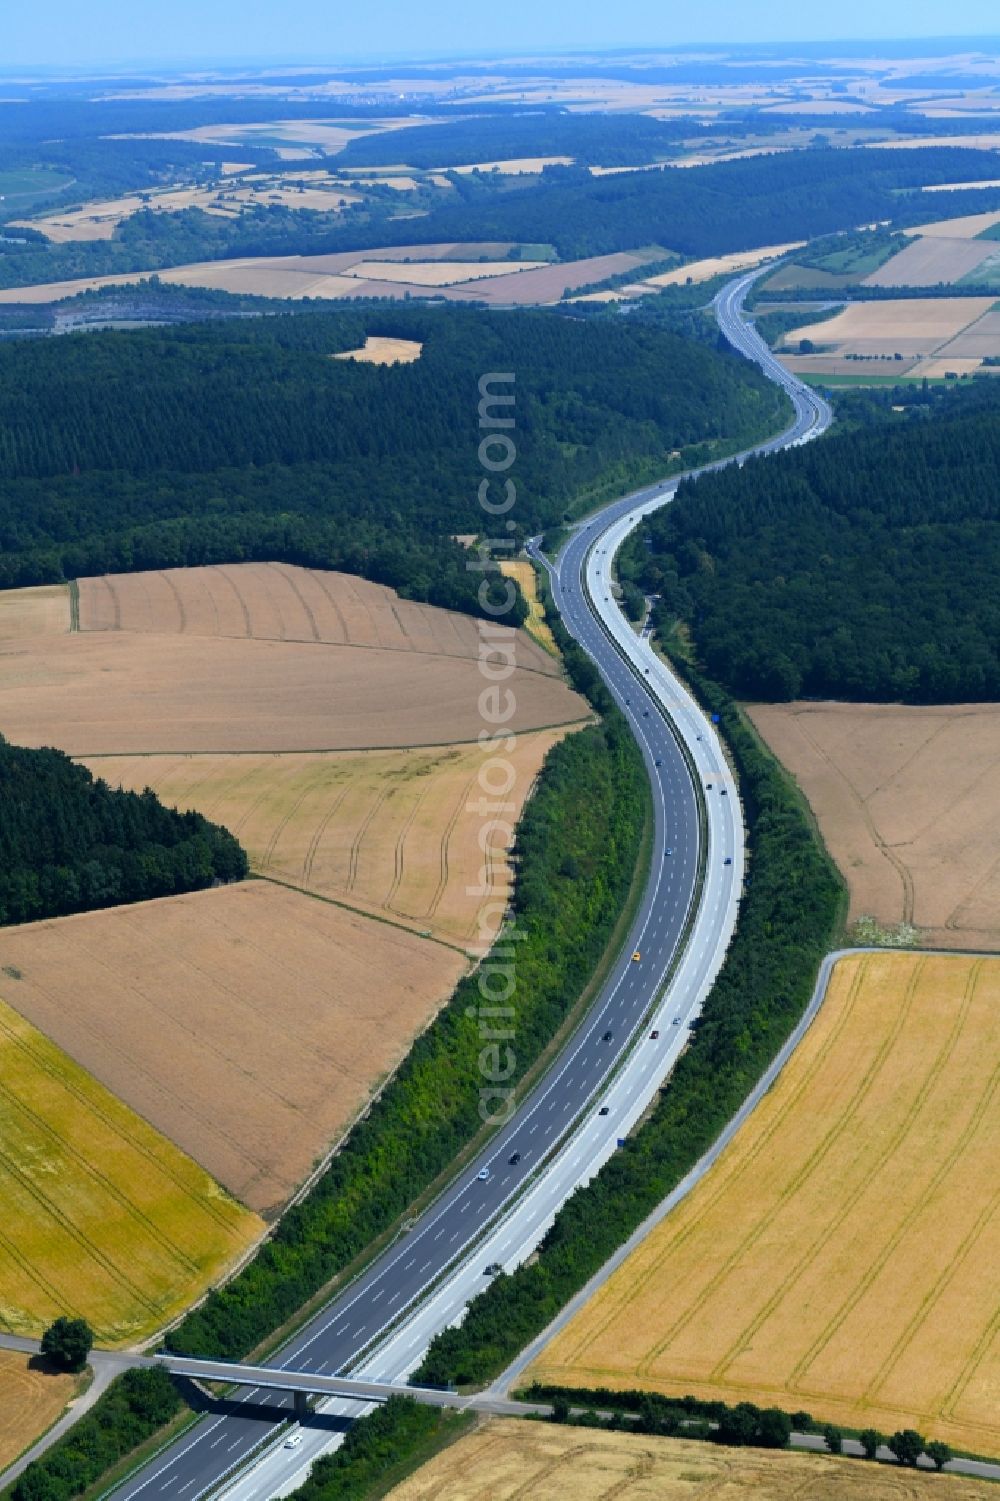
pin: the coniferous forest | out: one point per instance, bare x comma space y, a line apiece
69, 843
860, 567
244, 439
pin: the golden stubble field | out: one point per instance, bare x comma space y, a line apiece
379, 350
841, 1255
393, 833
264, 657
30, 1402
331, 276
247, 1023
252, 1024
933, 259
909, 326
908, 802
527, 580
103, 1217
505, 1459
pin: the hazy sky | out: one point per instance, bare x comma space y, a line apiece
68, 33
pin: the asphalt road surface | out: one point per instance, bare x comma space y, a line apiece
380, 1325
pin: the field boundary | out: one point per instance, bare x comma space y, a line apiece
332, 901
321, 750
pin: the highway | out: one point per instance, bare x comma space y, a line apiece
497, 1210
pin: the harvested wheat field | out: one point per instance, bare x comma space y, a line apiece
260, 657
439, 273
941, 366
908, 801
933, 259
393, 833
280, 602
966, 226
377, 350
505, 1459
31, 1400
513, 166
841, 1255
103, 1217
914, 325
278, 276
977, 341
719, 265
527, 581
41, 611
248, 1023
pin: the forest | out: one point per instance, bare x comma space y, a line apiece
243, 439
69, 843
764, 200
788, 920
606, 140
573, 877
859, 567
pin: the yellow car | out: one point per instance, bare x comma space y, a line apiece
636, 957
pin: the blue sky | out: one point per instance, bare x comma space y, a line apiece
70, 33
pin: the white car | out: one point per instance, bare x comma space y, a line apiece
483, 1174
293, 1441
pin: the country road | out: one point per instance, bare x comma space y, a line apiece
380, 1325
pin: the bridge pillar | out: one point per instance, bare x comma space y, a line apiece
300, 1403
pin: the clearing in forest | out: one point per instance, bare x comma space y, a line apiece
31, 1399
103, 1218
840, 1256
248, 1023
377, 350
506, 1459
908, 802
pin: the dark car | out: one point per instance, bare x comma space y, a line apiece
727, 861
654, 1035
608, 1035
492, 1268
724, 792
514, 1158
604, 1110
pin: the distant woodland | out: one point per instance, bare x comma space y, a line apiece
701, 211
69, 843
861, 567
244, 439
